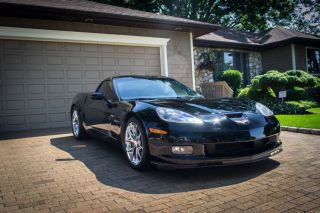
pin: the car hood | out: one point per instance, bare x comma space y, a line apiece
207, 106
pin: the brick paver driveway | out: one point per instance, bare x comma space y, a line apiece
53, 172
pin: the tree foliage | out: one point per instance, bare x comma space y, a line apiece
306, 16
245, 15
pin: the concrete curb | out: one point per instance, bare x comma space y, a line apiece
301, 130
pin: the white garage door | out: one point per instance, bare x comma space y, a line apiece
39, 79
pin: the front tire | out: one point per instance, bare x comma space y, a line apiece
134, 142
76, 123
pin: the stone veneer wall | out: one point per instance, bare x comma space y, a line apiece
254, 63
204, 75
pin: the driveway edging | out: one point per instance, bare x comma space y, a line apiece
301, 130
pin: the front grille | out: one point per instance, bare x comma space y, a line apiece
238, 148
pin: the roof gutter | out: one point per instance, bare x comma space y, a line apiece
30, 11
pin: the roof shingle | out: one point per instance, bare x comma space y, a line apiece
269, 37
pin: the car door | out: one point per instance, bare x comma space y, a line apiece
99, 112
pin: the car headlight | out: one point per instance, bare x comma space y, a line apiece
263, 109
176, 116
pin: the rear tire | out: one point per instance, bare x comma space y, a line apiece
134, 143
78, 130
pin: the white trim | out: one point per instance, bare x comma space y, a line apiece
306, 48
91, 38
293, 57
79, 37
192, 63
164, 61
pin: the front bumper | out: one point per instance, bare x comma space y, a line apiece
162, 155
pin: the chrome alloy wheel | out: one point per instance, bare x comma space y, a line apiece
133, 143
75, 123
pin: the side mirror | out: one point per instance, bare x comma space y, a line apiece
97, 96
100, 96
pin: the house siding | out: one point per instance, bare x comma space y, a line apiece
278, 58
178, 48
301, 57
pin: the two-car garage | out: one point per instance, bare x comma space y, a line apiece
38, 79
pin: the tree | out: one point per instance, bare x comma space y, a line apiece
306, 16
245, 15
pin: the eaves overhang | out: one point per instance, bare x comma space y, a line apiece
53, 13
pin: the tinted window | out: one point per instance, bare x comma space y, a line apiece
135, 88
106, 90
313, 60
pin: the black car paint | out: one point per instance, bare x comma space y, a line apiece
108, 116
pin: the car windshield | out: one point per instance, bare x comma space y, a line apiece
147, 88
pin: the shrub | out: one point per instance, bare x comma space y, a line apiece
300, 78
297, 93
313, 93
257, 94
233, 78
243, 93
290, 107
273, 79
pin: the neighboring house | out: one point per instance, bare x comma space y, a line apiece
279, 49
51, 50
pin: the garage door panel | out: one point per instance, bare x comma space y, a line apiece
14, 89
109, 73
13, 59
57, 117
54, 46
108, 61
15, 104
123, 49
57, 103
34, 104
36, 89
92, 75
54, 60
11, 44
74, 89
73, 60
16, 120
14, 74
74, 74
108, 49
39, 79
38, 118
32, 74
91, 60
34, 60
55, 74
33, 45
56, 89
91, 87
71, 47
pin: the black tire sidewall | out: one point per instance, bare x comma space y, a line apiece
145, 161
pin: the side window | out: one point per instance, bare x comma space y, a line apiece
105, 89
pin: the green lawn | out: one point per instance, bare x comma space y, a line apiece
314, 110
303, 121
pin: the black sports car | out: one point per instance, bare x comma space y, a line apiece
160, 121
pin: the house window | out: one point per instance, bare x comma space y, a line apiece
313, 61
219, 61
237, 61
